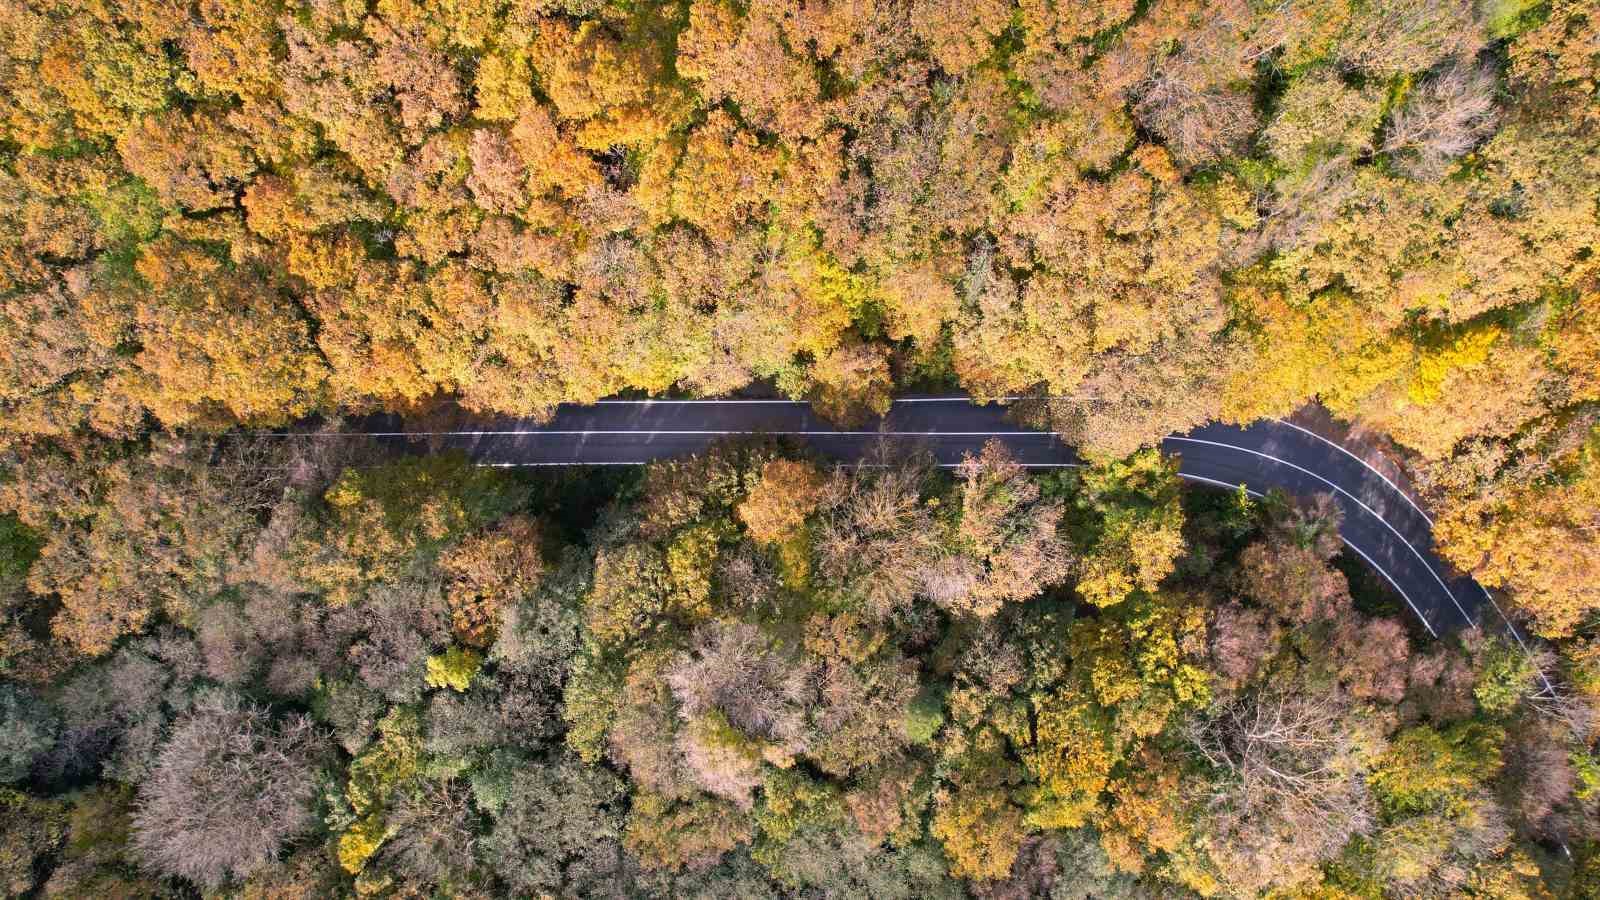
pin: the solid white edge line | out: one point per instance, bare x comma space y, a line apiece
1380, 570
528, 431
1353, 497
1387, 577
1201, 478
960, 398
520, 465
1358, 501
1516, 633
1366, 465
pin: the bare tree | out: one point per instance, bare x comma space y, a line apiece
1392, 37
737, 678
1241, 639
736, 670
1008, 547
1191, 98
1443, 119
1539, 779
27, 731
435, 835
229, 789
1289, 787
877, 537
1199, 122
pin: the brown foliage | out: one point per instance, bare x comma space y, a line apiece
490, 571
876, 537
228, 790
1443, 119
786, 493
130, 537
1006, 547
1293, 789
1241, 639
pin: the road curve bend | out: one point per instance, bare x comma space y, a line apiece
1382, 524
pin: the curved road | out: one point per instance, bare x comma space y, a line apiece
1381, 523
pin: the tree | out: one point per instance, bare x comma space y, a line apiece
386, 521
1290, 571
36, 830
492, 571
746, 59
27, 731
851, 384
1006, 545
216, 350
560, 830
1398, 36
630, 587
1188, 98
383, 772
859, 717
1136, 524
875, 536
1506, 537
1242, 639
779, 502
129, 536
674, 834
742, 698
1442, 826
1427, 769
612, 79
1319, 115
453, 669
959, 36
720, 179
229, 789
432, 837
1443, 119
1288, 786
981, 829
1075, 749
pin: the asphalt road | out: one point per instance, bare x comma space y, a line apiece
1381, 523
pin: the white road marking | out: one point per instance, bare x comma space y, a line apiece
1370, 561
1357, 501
1380, 570
958, 398
652, 433
1516, 633
519, 465
962, 399
1368, 466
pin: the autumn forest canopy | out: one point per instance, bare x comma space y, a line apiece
248, 666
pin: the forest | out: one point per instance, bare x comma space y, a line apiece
234, 664
753, 674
